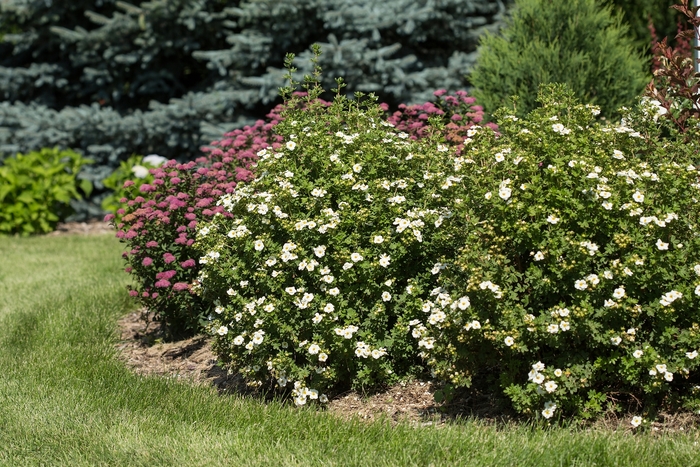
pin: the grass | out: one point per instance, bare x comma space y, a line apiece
66, 400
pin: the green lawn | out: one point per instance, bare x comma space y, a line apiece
66, 400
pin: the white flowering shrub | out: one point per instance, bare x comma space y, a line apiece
576, 277
318, 272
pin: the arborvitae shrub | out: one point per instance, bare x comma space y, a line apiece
579, 42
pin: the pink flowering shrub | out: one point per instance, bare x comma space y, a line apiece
159, 221
459, 113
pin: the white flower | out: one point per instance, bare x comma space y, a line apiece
619, 293
636, 421
550, 386
500, 157
548, 412
608, 274
322, 357
557, 372
661, 368
347, 266
638, 353
317, 318
661, 245
609, 303
509, 341
696, 268
269, 307
553, 328
386, 296
615, 340
504, 192
238, 340
377, 239
257, 338
219, 310
691, 355
384, 260
463, 303
291, 145
581, 284
320, 250
697, 290
334, 291
318, 192
593, 279
668, 376
314, 349
488, 195
291, 290
539, 256
243, 283
334, 158
607, 205
552, 219
222, 331
327, 278
357, 168
564, 325
618, 154
355, 257
638, 196
259, 245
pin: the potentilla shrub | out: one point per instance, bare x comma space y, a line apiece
576, 280
158, 222
311, 274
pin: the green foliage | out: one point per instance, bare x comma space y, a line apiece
134, 169
575, 273
578, 43
36, 190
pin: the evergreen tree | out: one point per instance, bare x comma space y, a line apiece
577, 42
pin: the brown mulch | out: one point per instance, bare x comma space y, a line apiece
142, 349
193, 360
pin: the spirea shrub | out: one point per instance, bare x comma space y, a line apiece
575, 278
457, 113
137, 169
312, 273
158, 222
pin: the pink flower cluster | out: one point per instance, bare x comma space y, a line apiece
159, 221
459, 112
